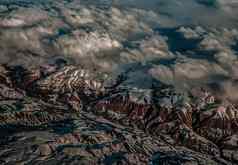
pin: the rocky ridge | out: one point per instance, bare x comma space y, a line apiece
63, 113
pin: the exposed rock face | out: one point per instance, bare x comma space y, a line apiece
219, 122
94, 124
69, 79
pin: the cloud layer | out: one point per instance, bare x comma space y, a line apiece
164, 40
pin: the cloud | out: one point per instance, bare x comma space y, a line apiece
128, 35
